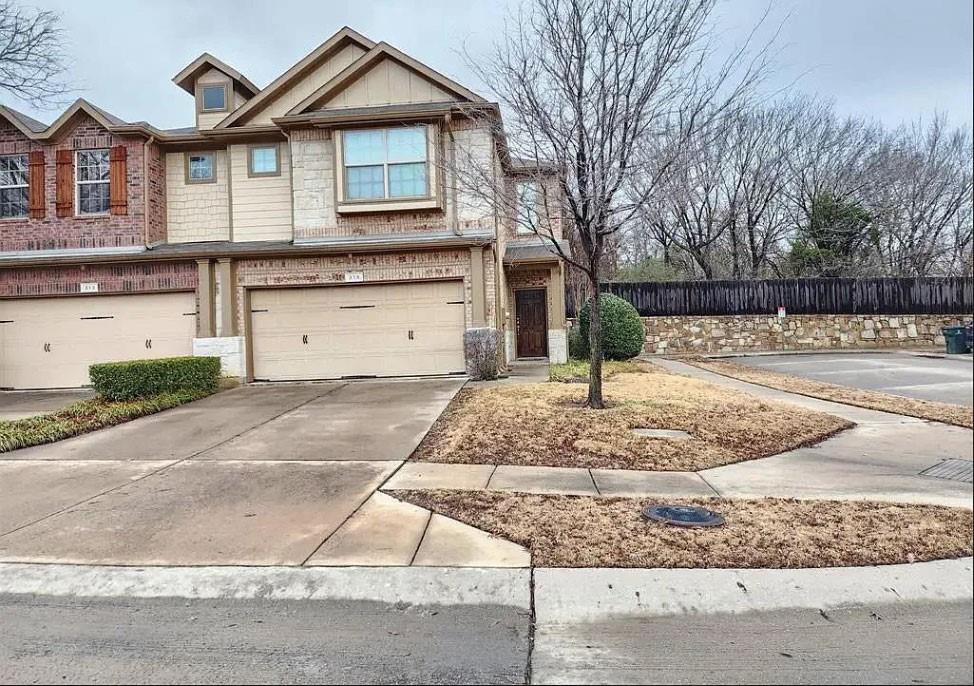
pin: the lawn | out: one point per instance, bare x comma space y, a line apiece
871, 400
548, 425
84, 416
575, 531
576, 371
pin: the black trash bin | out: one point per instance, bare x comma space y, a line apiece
956, 339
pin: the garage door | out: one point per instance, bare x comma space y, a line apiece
342, 331
49, 342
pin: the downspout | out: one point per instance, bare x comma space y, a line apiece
451, 166
290, 171
145, 190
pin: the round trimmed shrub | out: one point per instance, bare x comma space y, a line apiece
623, 333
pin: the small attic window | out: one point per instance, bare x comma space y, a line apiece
213, 98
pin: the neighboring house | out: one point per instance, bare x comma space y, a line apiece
311, 229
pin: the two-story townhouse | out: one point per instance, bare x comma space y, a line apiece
312, 229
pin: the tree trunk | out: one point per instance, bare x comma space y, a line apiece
595, 347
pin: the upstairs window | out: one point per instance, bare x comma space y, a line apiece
92, 173
200, 167
264, 160
13, 186
528, 197
386, 164
213, 98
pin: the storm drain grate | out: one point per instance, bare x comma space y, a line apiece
955, 470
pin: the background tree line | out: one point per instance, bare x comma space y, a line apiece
791, 189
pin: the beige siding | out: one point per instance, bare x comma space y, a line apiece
389, 83
306, 86
197, 211
261, 205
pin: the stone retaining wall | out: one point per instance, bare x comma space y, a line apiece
747, 333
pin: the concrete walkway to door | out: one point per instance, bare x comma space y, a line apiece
259, 475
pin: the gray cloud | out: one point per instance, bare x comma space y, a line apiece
894, 60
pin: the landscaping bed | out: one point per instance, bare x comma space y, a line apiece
577, 531
957, 415
85, 416
548, 425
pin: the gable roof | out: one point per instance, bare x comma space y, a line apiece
36, 130
26, 125
186, 79
364, 63
299, 69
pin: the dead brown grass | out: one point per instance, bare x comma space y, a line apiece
548, 425
574, 531
957, 415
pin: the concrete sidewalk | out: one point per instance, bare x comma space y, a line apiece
881, 458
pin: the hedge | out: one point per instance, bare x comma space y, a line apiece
145, 378
623, 333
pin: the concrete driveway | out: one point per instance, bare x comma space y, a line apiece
22, 404
912, 375
259, 475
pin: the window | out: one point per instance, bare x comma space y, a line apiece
264, 160
527, 210
13, 186
91, 173
200, 167
386, 163
213, 98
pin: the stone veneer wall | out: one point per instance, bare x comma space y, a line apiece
746, 333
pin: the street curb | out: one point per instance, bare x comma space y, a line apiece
410, 585
577, 595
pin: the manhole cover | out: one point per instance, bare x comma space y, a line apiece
661, 433
683, 515
953, 470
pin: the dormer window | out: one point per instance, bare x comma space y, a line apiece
213, 97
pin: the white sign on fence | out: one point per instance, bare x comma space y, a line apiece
88, 287
354, 277
782, 313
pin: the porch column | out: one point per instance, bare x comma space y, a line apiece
478, 291
228, 297
556, 283
206, 322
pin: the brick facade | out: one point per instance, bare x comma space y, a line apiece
142, 277
108, 231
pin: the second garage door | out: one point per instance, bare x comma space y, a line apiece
49, 342
345, 331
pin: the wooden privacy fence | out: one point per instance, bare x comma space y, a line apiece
931, 295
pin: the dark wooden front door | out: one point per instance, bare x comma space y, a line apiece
532, 323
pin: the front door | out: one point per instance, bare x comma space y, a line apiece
532, 322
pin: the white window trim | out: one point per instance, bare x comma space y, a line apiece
78, 183
386, 198
26, 213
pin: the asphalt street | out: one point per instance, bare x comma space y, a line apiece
63, 639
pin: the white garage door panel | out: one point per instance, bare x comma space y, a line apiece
358, 331
50, 342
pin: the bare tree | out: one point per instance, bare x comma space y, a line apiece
591, 88
31, 56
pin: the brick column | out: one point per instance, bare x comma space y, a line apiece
477, 287
228, 292
206, 323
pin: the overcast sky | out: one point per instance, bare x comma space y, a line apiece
894, 60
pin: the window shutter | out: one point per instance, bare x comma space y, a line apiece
117, 180
65, 183
35, 187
